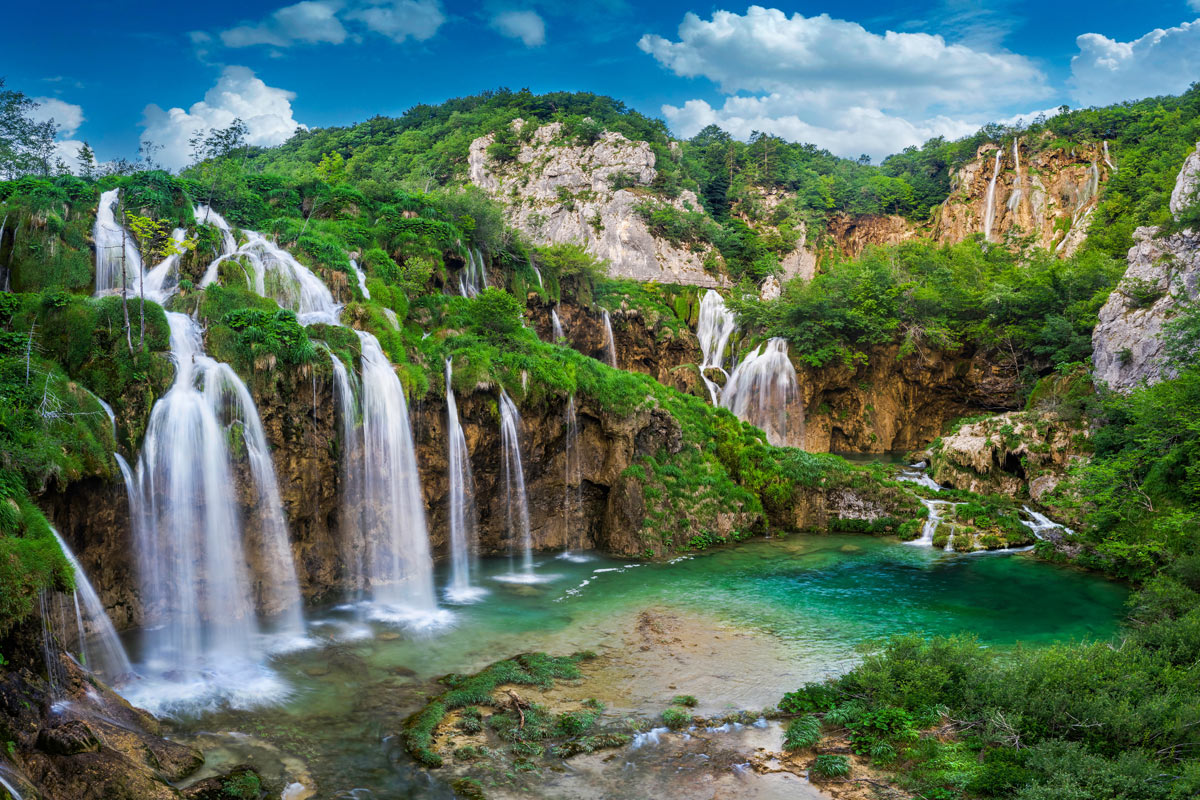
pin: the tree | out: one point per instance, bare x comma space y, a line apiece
217, 146
155, 244
332, 169
87, 160
26, 146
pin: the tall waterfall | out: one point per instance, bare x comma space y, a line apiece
1014, 200
516, 502
397, 566
610, 343
989, 214
572, 486
1108, 162
764, 392
116, 251
278, 275
108, 658
556, 327
717, 323
461, 504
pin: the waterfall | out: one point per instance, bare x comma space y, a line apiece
110, 659
362, 279
187, 528
392, 318
116, 251
572, 486
206, 216
537, 273
353, 478
473, 279
516, 503
1014, 200
460, 504
279, 276
397, 566
989, 214
1039, 524
717, 323
764, 392
610, 344
7, 785
560, 335
1107, 161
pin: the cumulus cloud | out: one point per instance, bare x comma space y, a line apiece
834, 83
1161, 62
318, 21
67, 116
238, 93
310, 22
524, 25
401, 19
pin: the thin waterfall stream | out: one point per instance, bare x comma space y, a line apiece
463, 516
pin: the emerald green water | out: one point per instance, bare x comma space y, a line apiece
799, 607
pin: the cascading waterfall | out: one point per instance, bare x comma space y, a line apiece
1112, 167
163, 277
515, 500
556, 327
763, 391
461, 504
278, 275
1014, 200
194, 567
610, 343
108, 658
392, 319
537, 273
1039, 524
717, 323
116, 251
989, 214
362, 279
352, 506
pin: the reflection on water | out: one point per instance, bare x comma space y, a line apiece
793, 609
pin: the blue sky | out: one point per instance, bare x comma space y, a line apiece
868, 77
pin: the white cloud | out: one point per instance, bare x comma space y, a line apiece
266, 110
524, 25
836, 84
1161, 62
1194, 5
68, 116
401, 19
310, 22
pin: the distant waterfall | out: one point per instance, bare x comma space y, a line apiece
560, 336
473, 279
763, 391
537, 273
516, 502
717, 323
460, 504
1014, 200
1112, 167
989, 214
108, 658
362, 279
116, 251
610, 343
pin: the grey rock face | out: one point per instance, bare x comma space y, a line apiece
558, 192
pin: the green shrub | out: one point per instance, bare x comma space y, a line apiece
809, 698
684, 700
801, 733
676, 718
830, 766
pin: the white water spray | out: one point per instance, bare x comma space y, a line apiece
461, 504
763, 391
515, 500
116, 251
989, 214
108, 658
716, 325
610, 343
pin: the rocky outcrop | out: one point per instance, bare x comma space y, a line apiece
73, 738
1026, 189
558, 192
852, 235
771, 214
1187, 185
894, 403
1127, 344
1019, 454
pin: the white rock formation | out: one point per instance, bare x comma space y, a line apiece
1187, 184
557, 192
1127, 343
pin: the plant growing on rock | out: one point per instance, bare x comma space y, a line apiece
676, 718
801, 733
830, 766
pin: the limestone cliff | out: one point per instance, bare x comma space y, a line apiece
557, 191
1026, 189
898, 403
1020, 454
851, 235
1162, 271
